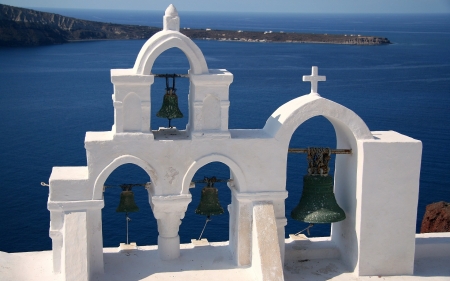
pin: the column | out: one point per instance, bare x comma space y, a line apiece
169, 211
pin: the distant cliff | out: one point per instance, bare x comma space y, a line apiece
269, 36
25, 27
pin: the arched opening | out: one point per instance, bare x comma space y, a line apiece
218, 228
171, 61
315, 132
142, 227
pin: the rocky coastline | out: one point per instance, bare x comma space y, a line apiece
20, 27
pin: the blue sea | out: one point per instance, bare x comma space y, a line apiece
52, 95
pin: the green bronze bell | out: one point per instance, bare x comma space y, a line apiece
169, 108
209, 201
127, 204
318, 204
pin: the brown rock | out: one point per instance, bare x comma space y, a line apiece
436, 218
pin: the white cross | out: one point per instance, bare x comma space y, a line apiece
314, 78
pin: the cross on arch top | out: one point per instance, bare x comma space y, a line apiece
314, 78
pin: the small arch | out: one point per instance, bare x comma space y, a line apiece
236, 172
288, 117
163, 41
132, 113
125, 159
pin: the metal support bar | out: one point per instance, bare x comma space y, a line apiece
171, 75
333, 151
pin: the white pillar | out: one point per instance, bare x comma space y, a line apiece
240, 229
76, 243
209, 104
241, 218
267, 263
389, 177
169, 210
56, 225
126, 83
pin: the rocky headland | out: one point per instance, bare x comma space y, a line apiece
436, 218
26, 27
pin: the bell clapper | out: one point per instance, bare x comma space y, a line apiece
208, 219
307, 230
128, 220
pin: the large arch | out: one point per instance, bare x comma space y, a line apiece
288, 117
124, 159
237, 174
163, 41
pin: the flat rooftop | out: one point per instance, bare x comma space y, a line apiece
209, 262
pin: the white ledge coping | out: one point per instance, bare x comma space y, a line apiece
75, 205
260, 196
69, 173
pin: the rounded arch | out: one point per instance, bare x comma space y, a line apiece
163, 41
288, 117
125, 159
238, 175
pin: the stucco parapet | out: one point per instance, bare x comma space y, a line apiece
436, 245
75, 205
128, 76
210, 135
214, 77
69, 174
249, 134
94, 140
390, 137
259, 196
98, 137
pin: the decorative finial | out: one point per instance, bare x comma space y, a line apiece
314, 78
171, 21
171, 11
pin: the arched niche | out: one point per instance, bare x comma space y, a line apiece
132, 111
163, 41
125, 159
211, 109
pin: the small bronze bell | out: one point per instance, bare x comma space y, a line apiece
169, 108
318, 204
209, 202
127, 204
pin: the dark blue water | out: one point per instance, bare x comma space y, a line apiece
50, 96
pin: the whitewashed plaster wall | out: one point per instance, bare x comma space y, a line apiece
383, 166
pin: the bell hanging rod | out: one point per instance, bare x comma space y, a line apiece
171, 75
128, 185
211, 180
333, 151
